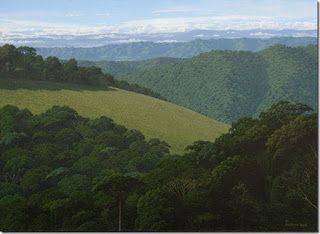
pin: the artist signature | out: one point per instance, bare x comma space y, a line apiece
290, 224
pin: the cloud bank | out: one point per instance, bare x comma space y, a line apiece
155, 29
156, 25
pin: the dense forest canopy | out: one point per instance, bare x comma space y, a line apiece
227, 85
120, 67
63, 172
24, 63
147, 50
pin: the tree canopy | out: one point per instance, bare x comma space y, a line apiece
24, 63
227, 85
69, 173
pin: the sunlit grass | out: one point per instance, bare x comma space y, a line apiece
153, 117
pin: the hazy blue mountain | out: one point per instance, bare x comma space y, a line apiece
102, 39
147, 50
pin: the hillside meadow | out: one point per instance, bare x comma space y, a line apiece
153, 117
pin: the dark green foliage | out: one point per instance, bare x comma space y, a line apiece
119, 67
227, 85
153, 213
261, 176
87, 166
67, 137
7, 188
76, 182
94, 175
149, 50
23, 63
13, 138
122, 84
34, 180
57, 118
18, 165
52, 164
282, 113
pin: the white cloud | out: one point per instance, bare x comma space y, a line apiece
199, 35
126, 41
17, 29
106, 36
167, 41
23, 42
266, 35
235, 22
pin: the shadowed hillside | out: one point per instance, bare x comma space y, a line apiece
227, 85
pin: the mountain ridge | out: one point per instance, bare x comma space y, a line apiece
227, 85
148, 50
106, 38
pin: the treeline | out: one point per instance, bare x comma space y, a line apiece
122, 84
227, 85
63, 172
24, 63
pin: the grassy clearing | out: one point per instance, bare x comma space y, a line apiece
153, 117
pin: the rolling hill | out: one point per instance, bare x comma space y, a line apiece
119, 67
227, 85
147, 50
153, 117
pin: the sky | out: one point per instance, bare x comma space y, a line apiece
36, 18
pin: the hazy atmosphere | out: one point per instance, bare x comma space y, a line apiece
79, 23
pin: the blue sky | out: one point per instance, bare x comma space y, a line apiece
120, 11
77, 17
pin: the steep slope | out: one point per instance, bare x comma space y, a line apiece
120, 67
227, 85
292, 75
153, 117
147, 50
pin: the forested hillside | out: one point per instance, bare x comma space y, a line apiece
227, 85
62, 172
147, 50
120, 67
24, 63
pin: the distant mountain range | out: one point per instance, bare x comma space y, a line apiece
102, 39
227, 85
147, 50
